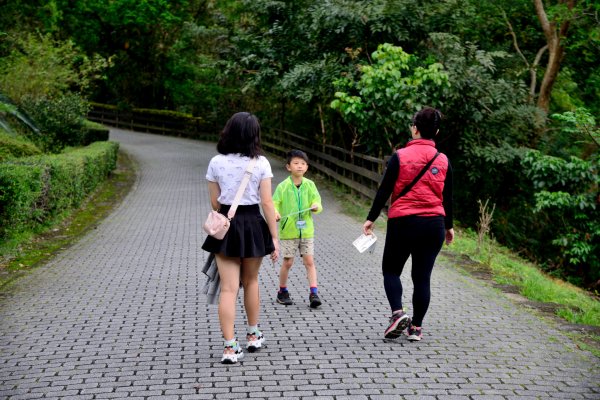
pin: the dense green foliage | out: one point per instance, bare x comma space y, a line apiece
37, 66
40, 85
35, 189
519, 95
60, 121
387, 92
568, 195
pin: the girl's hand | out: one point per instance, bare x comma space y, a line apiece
368, 227
314, 207
277, 216
449, 236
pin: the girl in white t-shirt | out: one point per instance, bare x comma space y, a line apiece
250, 237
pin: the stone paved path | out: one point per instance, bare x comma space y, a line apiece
118, 315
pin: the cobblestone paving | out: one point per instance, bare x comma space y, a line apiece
118, 315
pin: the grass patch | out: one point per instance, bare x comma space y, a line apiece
24, 251
575, 305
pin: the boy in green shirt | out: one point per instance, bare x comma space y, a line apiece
295, 199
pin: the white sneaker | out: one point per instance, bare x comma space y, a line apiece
232, 357
255, 341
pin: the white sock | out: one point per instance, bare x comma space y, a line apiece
252, 329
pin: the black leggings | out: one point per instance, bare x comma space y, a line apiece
421, 238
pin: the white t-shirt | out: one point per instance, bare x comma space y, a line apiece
228, 170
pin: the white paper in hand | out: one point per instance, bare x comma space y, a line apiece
364, 242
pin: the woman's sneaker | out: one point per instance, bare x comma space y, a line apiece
398, 322
232, 354
414, 333
255, 341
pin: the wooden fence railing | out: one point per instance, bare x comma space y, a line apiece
359, 173
164, 123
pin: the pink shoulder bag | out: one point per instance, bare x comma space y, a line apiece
217, 224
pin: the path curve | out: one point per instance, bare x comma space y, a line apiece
118, 315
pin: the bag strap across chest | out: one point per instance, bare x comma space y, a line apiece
242, 188
419, 176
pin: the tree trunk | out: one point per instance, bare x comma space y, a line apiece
556, 50
531, 67
323, 135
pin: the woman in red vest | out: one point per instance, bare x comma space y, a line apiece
419, 220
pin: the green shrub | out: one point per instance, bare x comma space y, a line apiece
15, 146
567, 190
35, 189
21, 188
546, 207
60, 119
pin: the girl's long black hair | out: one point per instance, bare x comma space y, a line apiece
241, 135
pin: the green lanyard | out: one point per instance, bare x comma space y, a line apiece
299, 200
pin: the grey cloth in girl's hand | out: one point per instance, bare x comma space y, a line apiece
212, 286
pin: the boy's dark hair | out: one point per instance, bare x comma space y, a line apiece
296, 154
241, 135
427, 122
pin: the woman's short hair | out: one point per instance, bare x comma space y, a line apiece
427, 122
241, 135
296, 154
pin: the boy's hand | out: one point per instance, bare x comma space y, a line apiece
277, 216
314, 207
275, 253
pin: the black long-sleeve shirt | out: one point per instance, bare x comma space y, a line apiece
387, 187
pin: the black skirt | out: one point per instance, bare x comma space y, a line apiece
248, 235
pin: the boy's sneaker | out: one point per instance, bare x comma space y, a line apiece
255, 341
314, 300
414, 333
398, 322
232, 354
284, 298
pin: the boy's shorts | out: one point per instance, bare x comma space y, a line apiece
289, 247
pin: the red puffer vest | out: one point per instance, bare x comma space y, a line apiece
425, 198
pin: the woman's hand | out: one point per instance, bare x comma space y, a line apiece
275, 253
368, 227
449, 236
